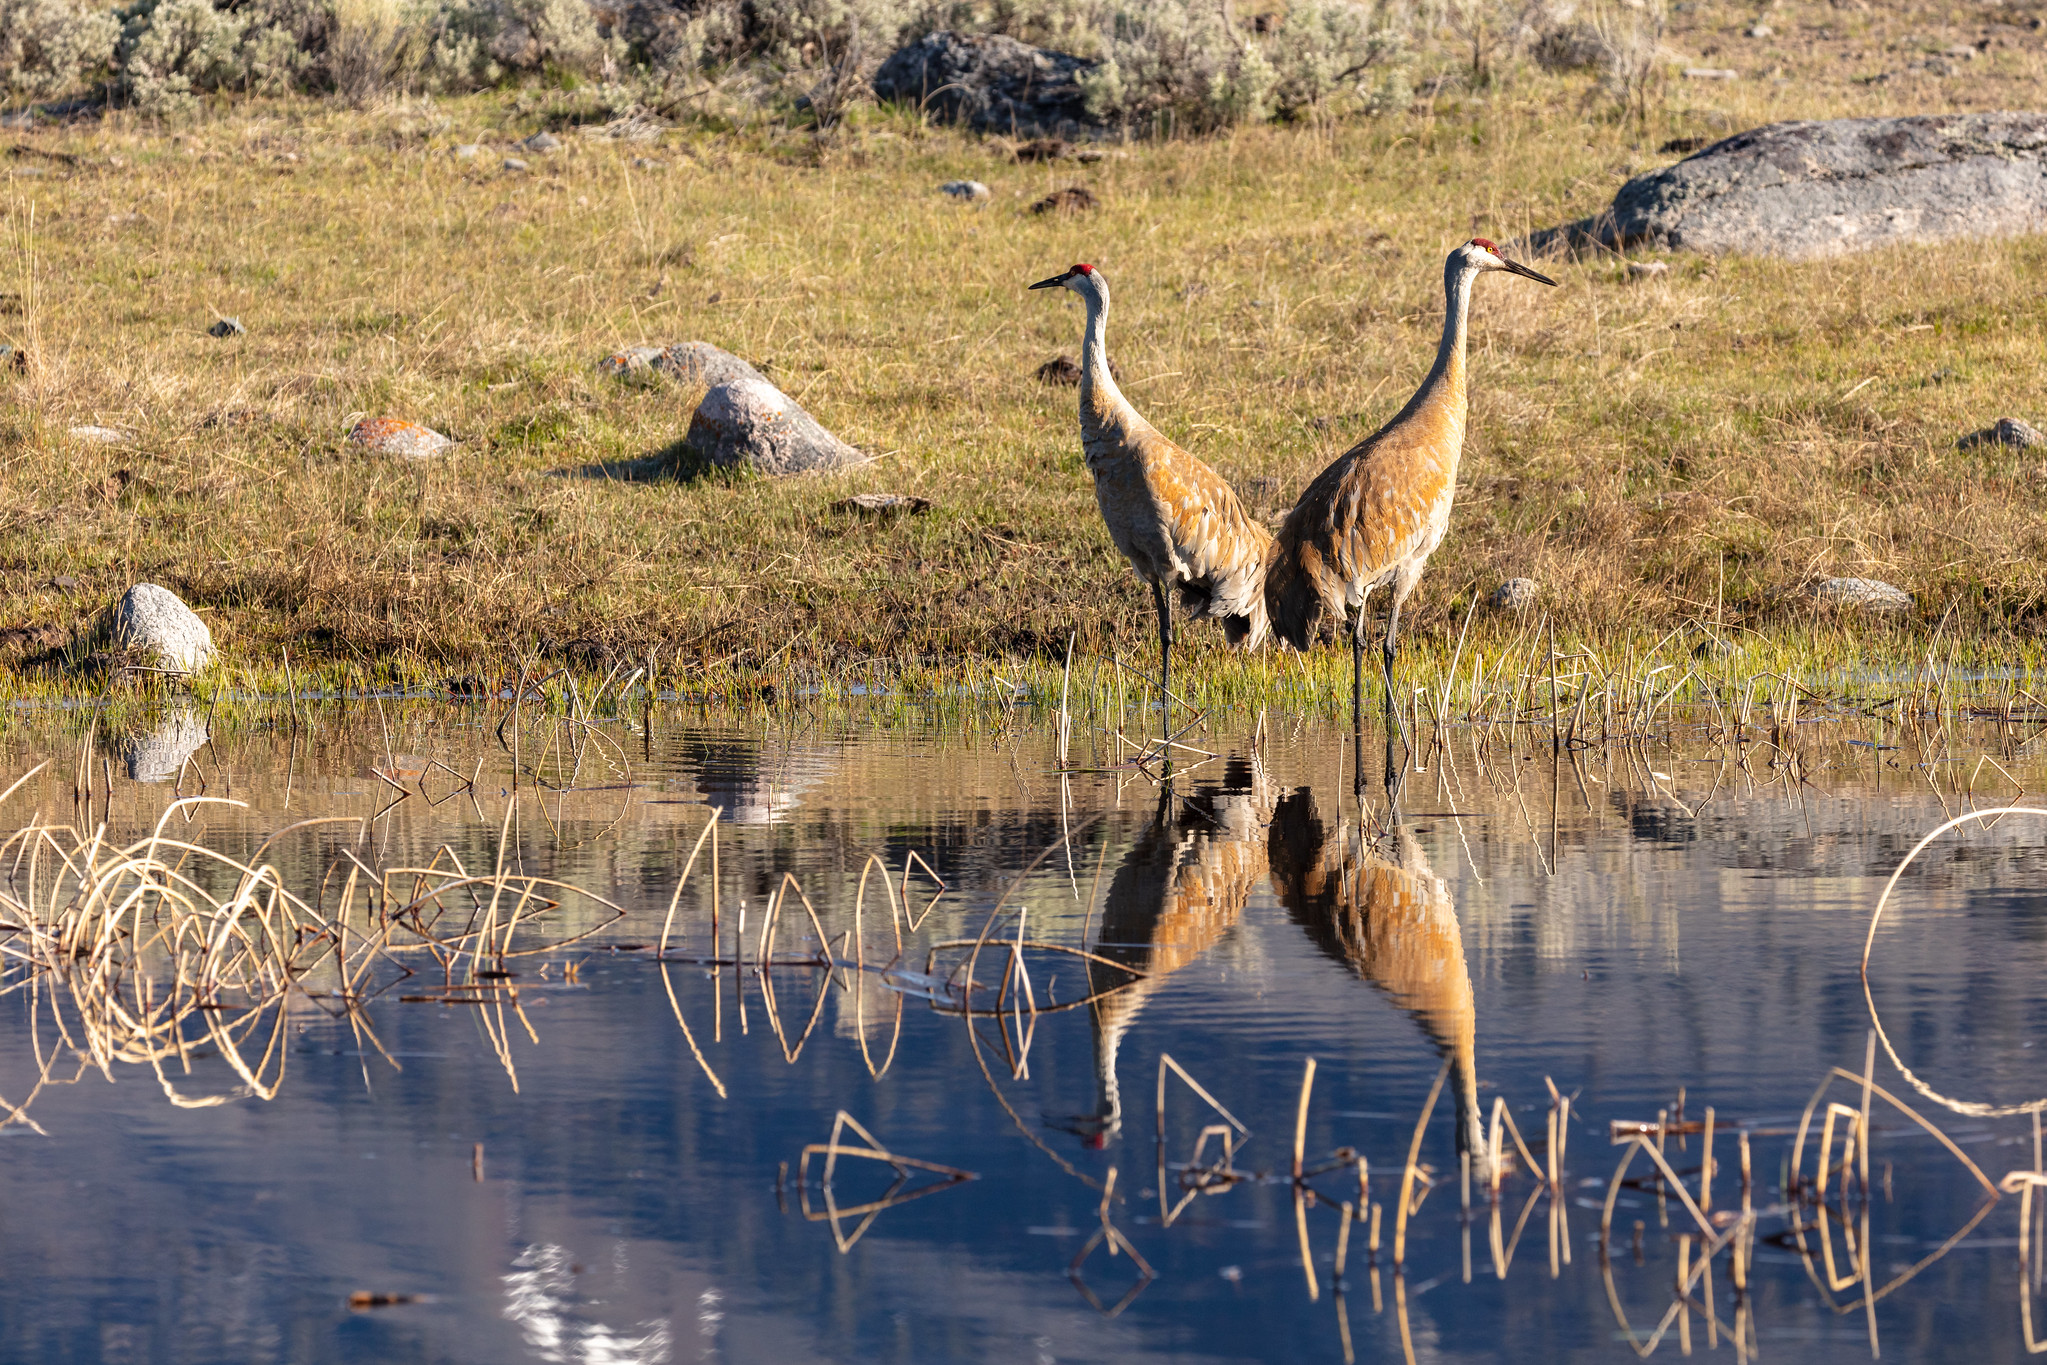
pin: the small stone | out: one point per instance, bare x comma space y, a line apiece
1647, 270
1865, 593
160, 754
1961, 51
751, 422
1711, 73
154, 620
227, 327
468, 151
634, 364
1059, 370
513, 163
396, 436
64, 582
648, 163
1760, 31
2007, 431
884, 504
1045, 149
967, 191
100, 436
1516, 594
1072, 199
543, 143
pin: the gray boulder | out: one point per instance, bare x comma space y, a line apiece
687, 362
991, 83
155, 621
1516, 594
160, 753
1806, 190
751, 422
1861, 594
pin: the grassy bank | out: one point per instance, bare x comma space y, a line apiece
1698, 447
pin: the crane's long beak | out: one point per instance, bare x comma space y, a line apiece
1516, 268
1054, 282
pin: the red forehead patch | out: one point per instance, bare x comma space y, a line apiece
1482, 242
1084, 270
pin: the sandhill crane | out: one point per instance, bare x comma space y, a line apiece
1180, 889
1387, 916
1179, 524
1375, 516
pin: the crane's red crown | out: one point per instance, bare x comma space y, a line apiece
1483, 244
1083, 270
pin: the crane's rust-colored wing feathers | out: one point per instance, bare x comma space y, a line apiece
1179, 521
1381, 503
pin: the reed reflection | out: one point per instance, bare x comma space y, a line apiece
1378, 907
1179, 890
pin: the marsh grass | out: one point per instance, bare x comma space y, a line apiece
1694, 448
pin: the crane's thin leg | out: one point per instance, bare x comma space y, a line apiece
1357, 704
1393, 720
1165, 606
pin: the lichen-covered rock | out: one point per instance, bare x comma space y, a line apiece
227, 327
1861, 594
1516, 594
751, 422
991, 83
160, 753
1805, 190
396, 436
633, 364
101, 436
967, 191
699, 362
2006, 431
151, 620
687, 362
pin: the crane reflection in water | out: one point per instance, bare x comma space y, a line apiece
1377, 906
1179, 891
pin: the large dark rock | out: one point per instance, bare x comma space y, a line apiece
1805, 190
992, 84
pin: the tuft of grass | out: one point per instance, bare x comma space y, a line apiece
1698, 448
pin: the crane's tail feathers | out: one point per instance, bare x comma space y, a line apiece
1299, 610
1247, 629
1239, 606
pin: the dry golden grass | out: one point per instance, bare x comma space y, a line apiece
1700, 445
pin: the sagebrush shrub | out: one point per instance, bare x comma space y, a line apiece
49, 47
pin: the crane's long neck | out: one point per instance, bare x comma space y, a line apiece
1103, 408
1441, 396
